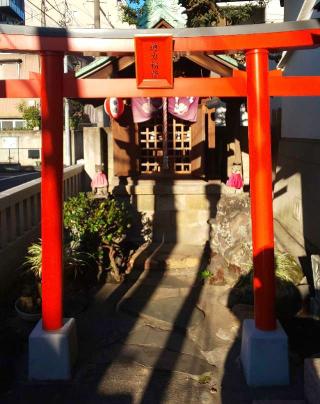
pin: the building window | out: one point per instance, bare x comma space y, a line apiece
7, 125
33, 153
10, 124
19, 124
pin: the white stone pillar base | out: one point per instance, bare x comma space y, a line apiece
264, 355
312, 380
52, 353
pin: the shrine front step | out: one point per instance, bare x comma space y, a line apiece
178, 210
178, 260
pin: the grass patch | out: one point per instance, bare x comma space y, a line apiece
204, 379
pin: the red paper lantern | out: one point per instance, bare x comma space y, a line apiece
114, 107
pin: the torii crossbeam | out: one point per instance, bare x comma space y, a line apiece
257, 84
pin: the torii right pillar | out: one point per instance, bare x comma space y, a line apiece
264, 348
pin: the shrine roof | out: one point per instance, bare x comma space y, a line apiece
93, 66
102, 62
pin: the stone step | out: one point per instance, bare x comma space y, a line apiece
176, 258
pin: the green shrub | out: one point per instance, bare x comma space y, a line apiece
74, 260
34, 259
286, 269
99, 226
31, 114
96, 229
288, 276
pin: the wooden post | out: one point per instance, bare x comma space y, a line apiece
261, 188
51, 189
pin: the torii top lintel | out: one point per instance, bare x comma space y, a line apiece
280, 36
289, 35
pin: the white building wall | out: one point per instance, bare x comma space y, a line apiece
74, 13
15, 146
274, 12
300, 115
296, 198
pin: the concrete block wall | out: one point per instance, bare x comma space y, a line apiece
31, 139
296, 190
25, 140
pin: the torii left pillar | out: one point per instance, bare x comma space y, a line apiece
52, 343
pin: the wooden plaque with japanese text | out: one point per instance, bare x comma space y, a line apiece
153, 58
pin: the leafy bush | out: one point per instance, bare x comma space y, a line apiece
237, 15
74, 260
96, 229
288, 276
34, 259
286, 269
77, 114
98, 225
76, 265
31, 114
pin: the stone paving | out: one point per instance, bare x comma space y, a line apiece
162, 336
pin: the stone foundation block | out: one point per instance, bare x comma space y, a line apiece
278, 402
312, 380
264, 355
52, 353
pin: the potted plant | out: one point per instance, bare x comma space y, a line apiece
28, 308
28, 304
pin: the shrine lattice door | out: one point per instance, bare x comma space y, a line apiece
179, 145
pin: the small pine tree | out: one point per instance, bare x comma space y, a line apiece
131, 11
201, 13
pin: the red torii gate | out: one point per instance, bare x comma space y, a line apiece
257, 84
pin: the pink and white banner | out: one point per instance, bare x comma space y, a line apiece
184, 107
144, 107
181, 107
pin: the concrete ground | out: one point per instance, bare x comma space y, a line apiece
162, 336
